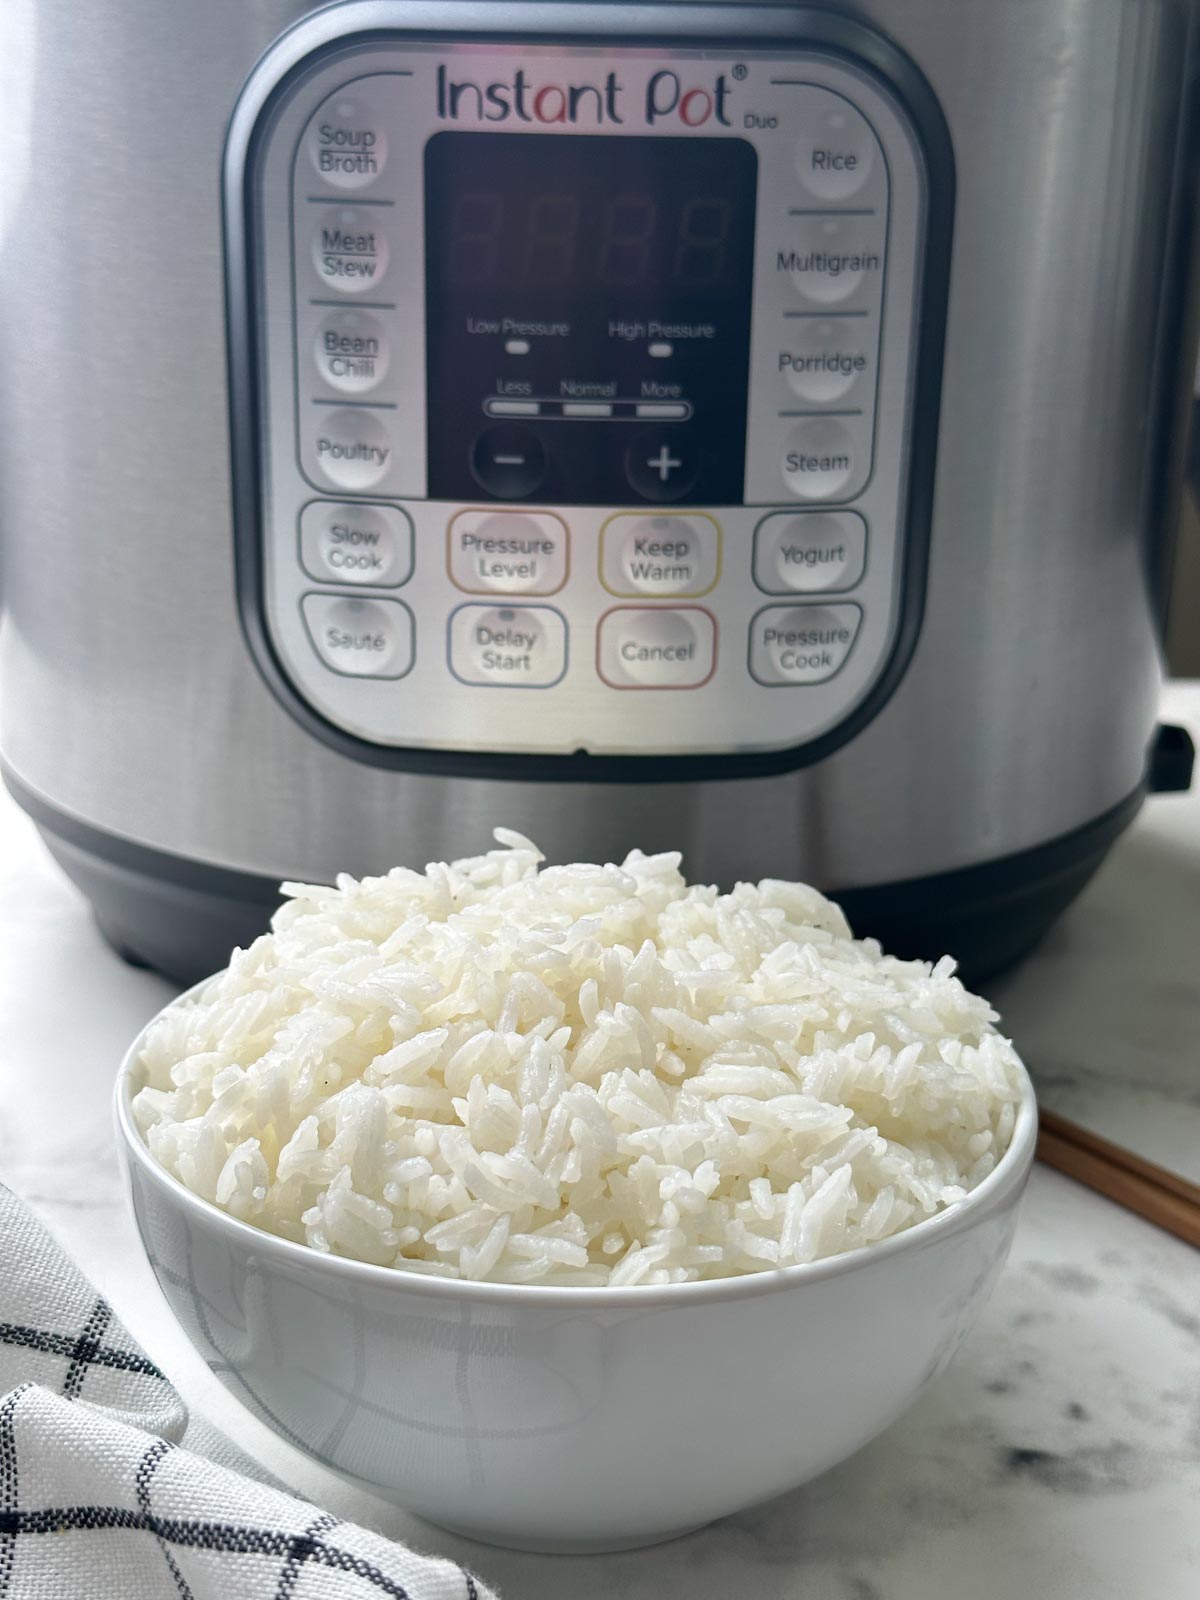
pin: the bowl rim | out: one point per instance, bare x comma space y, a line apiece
1005, 1181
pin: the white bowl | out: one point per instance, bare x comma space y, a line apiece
573, 1419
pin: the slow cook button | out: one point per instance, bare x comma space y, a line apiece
507, 552
346, 142
822, 461
793, 645
348, 249
352, 351
674, 554
508, 647
806, 552
356, 543
836, 149
352, 447
360, 638
828, 258
661, 647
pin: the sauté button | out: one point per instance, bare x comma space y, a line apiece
820, 459
352, 351
349, 249
355, 543
352, 447
795, 645
674, 553
508, 647
360, 638
509, 461
829, 258
835, 153
346, 143
806, 552
660, 464
660, 647
508, 552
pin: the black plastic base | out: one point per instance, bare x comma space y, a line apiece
183, 918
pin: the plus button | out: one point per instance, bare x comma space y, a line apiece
664, 463
660, 463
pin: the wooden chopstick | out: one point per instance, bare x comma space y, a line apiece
1161, 1197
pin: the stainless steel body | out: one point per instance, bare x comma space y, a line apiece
130, 702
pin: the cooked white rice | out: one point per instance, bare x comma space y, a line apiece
575, 1075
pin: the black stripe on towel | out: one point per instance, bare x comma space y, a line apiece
85, 1348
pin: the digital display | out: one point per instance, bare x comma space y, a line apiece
567, 269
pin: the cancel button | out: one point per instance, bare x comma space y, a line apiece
801, 644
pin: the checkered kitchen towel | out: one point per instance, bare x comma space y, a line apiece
96, 1498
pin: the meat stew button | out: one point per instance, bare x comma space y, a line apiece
792, 645
656, 647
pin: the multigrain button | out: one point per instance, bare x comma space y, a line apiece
507, 552
820, 459
508, 647
346, 142
835, 153
352, 447
797, 645
360, 638
829, 258
352, 351
667, 647
355, 543
349, 249
826, 360
674, 554
807, 552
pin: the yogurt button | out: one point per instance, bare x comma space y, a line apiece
346, 143
352, 351
822, 459
801, 644
831, 257
672, 554
360, 638
349, 250
355, 543
352, 448
805, 552
508, 647
835, 153
640, 647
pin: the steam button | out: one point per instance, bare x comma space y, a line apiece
360, 638
822, 460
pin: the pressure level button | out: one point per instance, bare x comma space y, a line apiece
346, 142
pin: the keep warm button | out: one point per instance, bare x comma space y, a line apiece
801, 644
508, 647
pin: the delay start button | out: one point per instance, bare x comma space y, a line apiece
659, 647
360, 638
673, 554
794, 645
507, 647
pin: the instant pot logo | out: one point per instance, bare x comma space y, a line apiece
669, 100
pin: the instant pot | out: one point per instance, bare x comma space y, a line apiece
747, 429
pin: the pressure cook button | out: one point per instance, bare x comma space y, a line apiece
349, 250
806, 552
795, 645
824, 360
353, 448
667, 647
360, 638
509, 461
660, 464
673, 554
820, 459
507, 552
829, 258
355, 543
352, 351
508, 648
346, 142
836, 150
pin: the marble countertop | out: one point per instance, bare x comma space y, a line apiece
1058, 1457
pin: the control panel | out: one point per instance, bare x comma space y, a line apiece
584, 392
